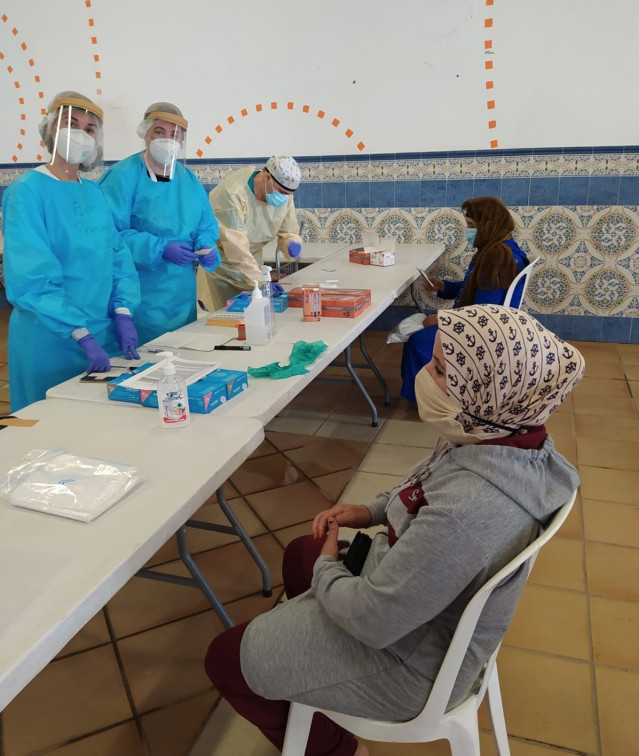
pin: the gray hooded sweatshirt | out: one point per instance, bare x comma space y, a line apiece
372, 645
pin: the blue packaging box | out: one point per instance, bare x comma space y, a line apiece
204, 395
240, 302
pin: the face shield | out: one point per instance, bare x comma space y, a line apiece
73, 133
165, 140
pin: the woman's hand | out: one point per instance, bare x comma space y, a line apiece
430, 320
346, 515
331, 545
437, 284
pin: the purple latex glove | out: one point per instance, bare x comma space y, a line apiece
210, 261
126, 335
294, 249
178, 253
98, 358
277, 289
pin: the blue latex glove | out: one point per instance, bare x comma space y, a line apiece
179, 253
277, 289
98, 358
210, 261
126, 335
294, 249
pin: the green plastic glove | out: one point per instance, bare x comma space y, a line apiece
303, 353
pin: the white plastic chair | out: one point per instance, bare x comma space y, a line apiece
459, 725
525, 275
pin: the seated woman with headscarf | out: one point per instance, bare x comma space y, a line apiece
371, 645
494, 265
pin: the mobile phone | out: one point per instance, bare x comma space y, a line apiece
428, 281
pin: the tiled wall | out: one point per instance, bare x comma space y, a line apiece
577, 208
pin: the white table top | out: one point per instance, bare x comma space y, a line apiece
56, 573
311, 251
265, 397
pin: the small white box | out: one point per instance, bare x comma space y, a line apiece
382, 258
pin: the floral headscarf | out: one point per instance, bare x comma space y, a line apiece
504, 367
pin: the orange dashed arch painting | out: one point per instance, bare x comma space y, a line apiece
259, 108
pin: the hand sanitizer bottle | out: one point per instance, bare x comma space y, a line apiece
173, 401
267, 292
257, 319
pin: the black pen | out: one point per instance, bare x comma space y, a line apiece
235, 348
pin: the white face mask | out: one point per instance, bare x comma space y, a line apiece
164, 150
75, 146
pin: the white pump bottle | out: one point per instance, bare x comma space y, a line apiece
257, 319
173, 400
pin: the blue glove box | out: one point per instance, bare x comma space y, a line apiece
240, 302
204, 395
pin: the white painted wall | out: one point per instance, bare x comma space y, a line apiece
404, 77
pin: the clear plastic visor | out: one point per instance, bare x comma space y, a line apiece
165, 149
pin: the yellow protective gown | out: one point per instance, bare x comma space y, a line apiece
246, 225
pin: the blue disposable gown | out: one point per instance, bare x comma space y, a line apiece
418, 350
149, 215
65, 267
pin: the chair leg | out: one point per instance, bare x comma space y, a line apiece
464, 741
496, 709
298, 728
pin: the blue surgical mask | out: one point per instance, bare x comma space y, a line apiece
276, 199
470, 233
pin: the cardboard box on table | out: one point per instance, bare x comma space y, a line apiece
204, 395
336, 303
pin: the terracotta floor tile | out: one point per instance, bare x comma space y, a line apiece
600, 483
551, 621
629, 353
4, 392
619, 455
263, 449
615, 629
350, 427
561, 423
319, 396
4, 373
566, 445
327, 456
634, 388
286, 441
604, 369
602, 387
560, 564
172, 730
286, 535
166, 665
632, 372
120, 740
573, 525
265, 473
364, 486
94, 633
228, 734
404, 410
71, 697
536, 687
407, 433
5, 408
613, 571
286, 506
392, 459
600, 404
334, 484
297, 422
611, 523
603, 428
617, 696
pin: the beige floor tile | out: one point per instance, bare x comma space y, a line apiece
522, 747
332, 485
602, 484
365, 486
297, 422
94, 633
298, 502
551, 621
286, 535
327, 456
604, 368
5, 408
561, 423
602, 387
286, 441
354, 428
604, 428
405, 411
407, 433
265, 473
615, 629
71, 697
600, 404
611, 523
319, 396
171, 731
598, 350
266, 447
166, 665
117, 741
228, 734
4, 392
4, 373
634, 388
613, 571
619, 455
573, 525
392, 459
632, 372
560, 564
547, 699
629, 353
566, 445
245, 609
617, 696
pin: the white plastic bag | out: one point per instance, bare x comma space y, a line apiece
62, 483
405, 328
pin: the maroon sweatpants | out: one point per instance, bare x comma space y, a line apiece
222, 665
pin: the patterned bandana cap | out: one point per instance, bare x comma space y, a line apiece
285, 171
504, 366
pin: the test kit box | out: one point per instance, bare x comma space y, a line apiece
382, 258
240, 302
204, 395
360, 255
336, 303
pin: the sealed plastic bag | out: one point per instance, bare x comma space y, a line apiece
405, 328
62, 483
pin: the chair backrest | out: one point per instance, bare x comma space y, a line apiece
442, 689
524, 276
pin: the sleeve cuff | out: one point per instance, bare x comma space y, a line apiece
79, 333
122, 311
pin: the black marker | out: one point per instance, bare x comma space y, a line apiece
235, 348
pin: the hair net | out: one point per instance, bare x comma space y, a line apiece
75, 100
161, 111
285, 171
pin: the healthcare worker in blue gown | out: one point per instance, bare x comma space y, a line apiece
68, 274
497, 261
164, 216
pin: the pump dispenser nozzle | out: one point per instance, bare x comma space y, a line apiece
257, 292
168, 367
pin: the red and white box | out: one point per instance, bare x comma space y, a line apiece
336, 303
